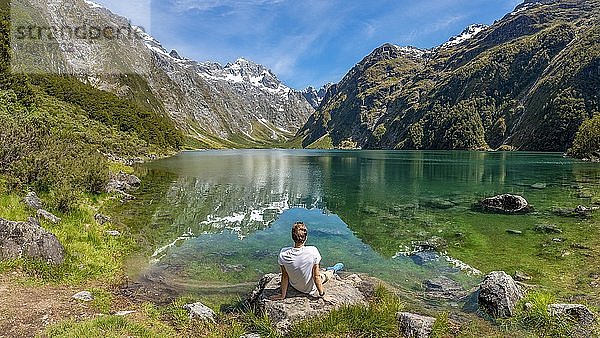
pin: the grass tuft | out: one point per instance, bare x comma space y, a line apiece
535, 316
378, 319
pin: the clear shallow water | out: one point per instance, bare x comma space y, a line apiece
218, 219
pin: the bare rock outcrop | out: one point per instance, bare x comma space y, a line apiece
29, 240
200, 311
349, 290
41, 213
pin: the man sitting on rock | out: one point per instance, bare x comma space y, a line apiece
300, 267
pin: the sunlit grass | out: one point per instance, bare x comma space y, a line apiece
378, 319
91, 253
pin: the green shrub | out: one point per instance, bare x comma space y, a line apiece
587, 139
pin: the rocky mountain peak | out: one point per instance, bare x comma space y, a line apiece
174, 54
390, 51
314, 96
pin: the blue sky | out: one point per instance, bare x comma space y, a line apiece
304, 42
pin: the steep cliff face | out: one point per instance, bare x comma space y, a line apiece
241, 104
528, 81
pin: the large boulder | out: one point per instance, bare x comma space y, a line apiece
505, 204
29, 240
350, 290
415, 326
499, 294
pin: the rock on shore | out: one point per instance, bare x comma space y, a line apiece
29, 240
499, 294
415, 326
350, 290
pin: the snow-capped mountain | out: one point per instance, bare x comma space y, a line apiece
466, 35
314, 96
239, 104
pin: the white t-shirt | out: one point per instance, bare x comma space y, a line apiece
298, 263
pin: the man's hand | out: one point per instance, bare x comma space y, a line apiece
277, 297
329, 300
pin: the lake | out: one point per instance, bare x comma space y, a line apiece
213, 222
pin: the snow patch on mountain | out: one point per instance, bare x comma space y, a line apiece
410, 50
240, 72
93, 4
466, 35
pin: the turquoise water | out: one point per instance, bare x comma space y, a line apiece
217, 219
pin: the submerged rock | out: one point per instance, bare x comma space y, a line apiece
200, 311
29, 240
435, 243
444, 288
415, 326
499, 294
505, 204
424, 257
297, 306
437, 203
579, 211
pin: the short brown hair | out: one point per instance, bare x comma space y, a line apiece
299, 232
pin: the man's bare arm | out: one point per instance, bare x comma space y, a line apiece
317, 279
284, 285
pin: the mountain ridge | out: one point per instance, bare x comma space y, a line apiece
238, 105
503, 86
